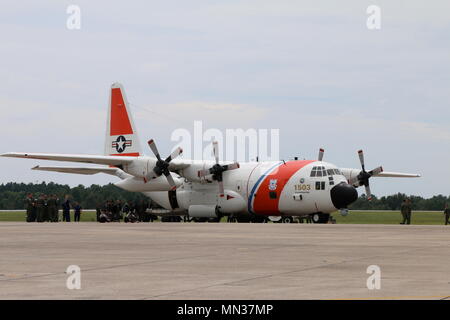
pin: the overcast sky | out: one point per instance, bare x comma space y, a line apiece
310, 68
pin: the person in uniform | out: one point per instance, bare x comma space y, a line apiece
46, 214
29, 205
66, 209
77, 212
98, 211
40, 203
403, 210
53, 208
447, 214
408, 211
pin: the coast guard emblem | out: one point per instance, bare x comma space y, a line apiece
273, 184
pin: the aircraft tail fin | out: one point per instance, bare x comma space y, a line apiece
121, 136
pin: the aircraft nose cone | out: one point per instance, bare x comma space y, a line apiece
342, 195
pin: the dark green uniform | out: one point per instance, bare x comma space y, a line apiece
40, 204
447, 215
53, 209
46, 211
404, 210
29, 205
408, 213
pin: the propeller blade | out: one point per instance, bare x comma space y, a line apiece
174, 154
361, 158
376, 171
216, 151
152, 145
203, 173
321, 152
368, 193
171, 181
232, 166
221, 189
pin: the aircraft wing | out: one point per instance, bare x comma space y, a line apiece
397, 175
86, 171
352, 174
106, 160
79, 170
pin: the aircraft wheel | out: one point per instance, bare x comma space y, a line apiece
287, 220
320, 217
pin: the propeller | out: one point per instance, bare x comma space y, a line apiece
321, 152
162, 166
217, 170
363, 177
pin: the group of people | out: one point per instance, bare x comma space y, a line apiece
129, 211
405, 210
45, 208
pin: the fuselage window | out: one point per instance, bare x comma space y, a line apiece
272, 194
322, 185
317, 185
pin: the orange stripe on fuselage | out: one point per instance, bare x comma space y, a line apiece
120, 122
262, 203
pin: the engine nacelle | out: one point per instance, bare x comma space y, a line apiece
231, 202
140, 167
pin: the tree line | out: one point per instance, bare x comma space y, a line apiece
393, 202
12, 196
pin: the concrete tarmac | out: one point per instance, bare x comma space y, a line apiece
223, 261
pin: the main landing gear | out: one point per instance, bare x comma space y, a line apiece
319, 217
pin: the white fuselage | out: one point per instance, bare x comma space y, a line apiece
261, 188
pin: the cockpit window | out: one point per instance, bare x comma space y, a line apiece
330, 172
321, 172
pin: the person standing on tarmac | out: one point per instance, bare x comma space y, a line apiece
66, 209
403, 210
46, 211
40, 203
98, 211
53, 208
77, 212
447, 214
30, 206
408, 211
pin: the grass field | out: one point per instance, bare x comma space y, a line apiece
354, 217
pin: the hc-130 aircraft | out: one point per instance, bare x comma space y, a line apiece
211, 189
